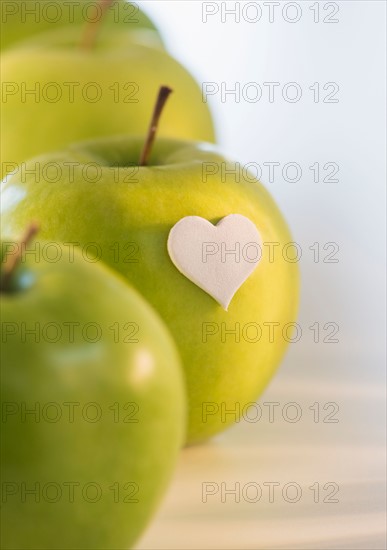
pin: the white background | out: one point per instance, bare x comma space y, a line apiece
351, 293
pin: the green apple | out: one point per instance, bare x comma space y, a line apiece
93, 404
141, 204
85, 93
23, 18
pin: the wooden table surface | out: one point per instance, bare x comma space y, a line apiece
349, 455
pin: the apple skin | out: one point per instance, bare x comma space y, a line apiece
13, 28
142, 206
110, 450
35, 127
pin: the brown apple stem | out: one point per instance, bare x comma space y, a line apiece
14, 259
162, 97
89, 37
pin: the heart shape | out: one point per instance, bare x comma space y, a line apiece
217, 258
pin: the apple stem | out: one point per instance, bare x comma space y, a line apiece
162, 97
89, 37
14, 259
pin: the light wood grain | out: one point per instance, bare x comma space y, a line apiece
349, 453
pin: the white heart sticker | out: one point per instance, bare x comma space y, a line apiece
217, 258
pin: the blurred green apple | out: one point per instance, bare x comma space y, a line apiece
93, 404
54, 93
23, 18
224, 370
